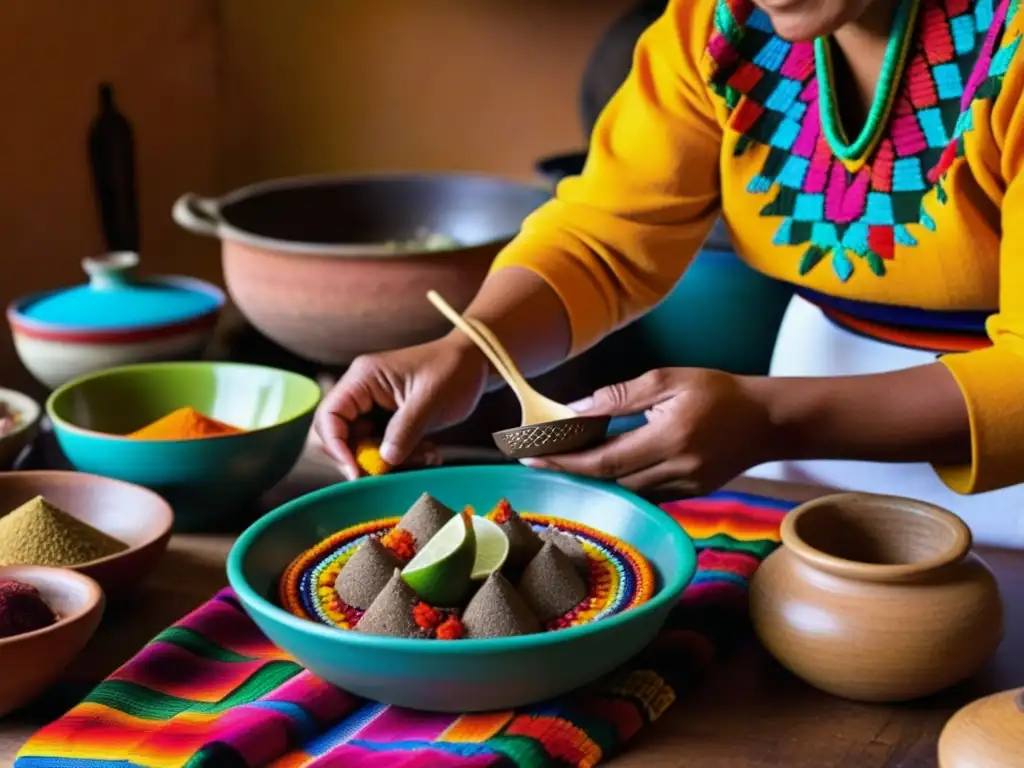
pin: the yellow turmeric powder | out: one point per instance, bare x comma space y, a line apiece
369, 459
184, 424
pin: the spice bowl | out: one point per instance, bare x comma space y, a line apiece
34, 660
876, 598
26, 415
474, 674
210, 482
129, 513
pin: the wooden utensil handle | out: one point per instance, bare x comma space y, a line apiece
500, 352
476, 337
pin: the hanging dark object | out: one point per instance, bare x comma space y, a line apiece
112, 158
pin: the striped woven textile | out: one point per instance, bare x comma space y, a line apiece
213, 692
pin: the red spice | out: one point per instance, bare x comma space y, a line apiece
22, 609
503, 512
426, 616
400, 542
451, 628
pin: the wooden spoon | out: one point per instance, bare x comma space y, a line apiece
536, 408
547, 427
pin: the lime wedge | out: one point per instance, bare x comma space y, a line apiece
440, 571
491, 548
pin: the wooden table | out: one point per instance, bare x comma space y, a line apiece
749, 712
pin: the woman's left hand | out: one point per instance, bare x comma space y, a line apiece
703, 428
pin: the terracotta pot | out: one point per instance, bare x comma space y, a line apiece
876, 598
307, 261
34, 660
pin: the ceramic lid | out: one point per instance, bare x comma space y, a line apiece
115, 299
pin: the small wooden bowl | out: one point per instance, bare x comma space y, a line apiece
552, 437
14, 442
130, 513
989, 731
876, 598
34, 660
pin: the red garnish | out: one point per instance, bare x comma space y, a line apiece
450, 629
400, 542
426, 616
503, 512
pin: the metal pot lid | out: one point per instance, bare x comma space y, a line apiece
116, 299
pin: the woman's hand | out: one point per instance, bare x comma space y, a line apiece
429, 387
703, 428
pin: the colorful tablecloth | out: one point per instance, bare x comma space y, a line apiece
213, 692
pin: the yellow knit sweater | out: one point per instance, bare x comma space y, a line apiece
924, 209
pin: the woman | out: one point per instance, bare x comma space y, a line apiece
885, 208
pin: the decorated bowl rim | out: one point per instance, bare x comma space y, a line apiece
667, 594
67, 426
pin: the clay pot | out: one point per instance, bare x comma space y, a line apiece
989, 731
876, 598
307, 261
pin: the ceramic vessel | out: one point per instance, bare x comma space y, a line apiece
134, 515
986, 732
114, 319
208, 482
876, 598
467, 675
308, 262
34, 660
16, 441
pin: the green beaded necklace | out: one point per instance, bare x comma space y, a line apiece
892, 69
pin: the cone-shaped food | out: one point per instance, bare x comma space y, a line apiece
391, 613
425, 517
550, 585
570, 547
497, 610
523, 541
365, 574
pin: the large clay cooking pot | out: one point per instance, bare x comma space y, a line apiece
876, 598
313, 262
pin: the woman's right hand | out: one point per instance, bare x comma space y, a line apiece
428, 387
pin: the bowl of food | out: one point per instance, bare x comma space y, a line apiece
19, 425
208, 437
112, 531
114, 319
463, 588
47, 615
334, 267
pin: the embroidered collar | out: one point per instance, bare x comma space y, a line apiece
955, 54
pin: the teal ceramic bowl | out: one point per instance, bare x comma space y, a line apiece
461, 675
209, 482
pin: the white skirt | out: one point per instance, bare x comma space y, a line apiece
810, 345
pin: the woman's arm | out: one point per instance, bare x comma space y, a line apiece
617, 238
913, 415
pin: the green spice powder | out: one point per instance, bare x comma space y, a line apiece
38, 533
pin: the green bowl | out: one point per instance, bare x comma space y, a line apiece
462, 675
209, 482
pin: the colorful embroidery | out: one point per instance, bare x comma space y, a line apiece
867, 209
